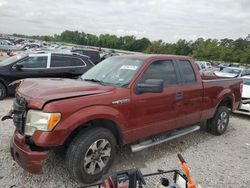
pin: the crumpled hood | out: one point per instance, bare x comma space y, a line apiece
41, 90
225, 74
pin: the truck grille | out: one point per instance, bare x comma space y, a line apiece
19, 110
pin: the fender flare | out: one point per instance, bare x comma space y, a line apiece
85, 115
222, 96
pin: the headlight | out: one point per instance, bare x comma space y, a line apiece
42, 121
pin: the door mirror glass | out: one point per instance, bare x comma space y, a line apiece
150, 86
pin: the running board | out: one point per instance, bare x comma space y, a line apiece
163, 138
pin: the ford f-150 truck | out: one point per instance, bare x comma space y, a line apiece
140, 100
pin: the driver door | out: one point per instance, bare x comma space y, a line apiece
156, 113
33, 66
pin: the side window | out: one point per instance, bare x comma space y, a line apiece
186, 71
243, 73
163, 70
65, 61
34, 62
87, 61
77, 62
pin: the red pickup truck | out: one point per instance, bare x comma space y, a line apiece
141, 100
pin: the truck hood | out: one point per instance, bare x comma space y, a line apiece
39, 91
225, 74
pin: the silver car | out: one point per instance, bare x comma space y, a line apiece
6, 45
232, 72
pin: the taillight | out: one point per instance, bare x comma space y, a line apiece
241, 88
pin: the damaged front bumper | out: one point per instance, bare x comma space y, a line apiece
29, 160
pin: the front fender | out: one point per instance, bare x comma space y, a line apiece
80, 118
85, 115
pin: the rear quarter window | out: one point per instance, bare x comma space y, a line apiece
186, 71
66, 61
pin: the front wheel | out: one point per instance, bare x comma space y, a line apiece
3, 91
91, 154
219, 123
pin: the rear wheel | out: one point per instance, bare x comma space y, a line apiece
91, 154
219, 123
3, 91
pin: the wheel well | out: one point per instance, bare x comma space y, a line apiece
226, 102
4, 85
105, 123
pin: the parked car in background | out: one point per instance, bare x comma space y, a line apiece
30, 46
204, 65
94, 55
223, 65
245, 98
42, 64
232, 72
204, 72
6, 45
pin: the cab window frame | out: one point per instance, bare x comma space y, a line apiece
178, 80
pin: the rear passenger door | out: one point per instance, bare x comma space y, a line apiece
191, 94
66, 66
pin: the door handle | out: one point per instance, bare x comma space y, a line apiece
178, 95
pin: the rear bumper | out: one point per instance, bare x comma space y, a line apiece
29, 160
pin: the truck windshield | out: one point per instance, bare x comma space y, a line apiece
115, 71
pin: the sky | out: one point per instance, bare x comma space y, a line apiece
168, 20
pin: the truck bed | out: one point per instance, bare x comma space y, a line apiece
216, 88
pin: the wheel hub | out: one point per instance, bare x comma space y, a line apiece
97, 156
222, 121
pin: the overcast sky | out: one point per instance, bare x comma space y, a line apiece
168, 20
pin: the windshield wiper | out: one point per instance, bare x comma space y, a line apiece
94, 80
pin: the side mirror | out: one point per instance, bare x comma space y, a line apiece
150, 86
18, 66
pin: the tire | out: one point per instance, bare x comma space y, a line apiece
219, 123
85, 158
3, 91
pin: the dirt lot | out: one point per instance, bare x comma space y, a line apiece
214, 161
3, 56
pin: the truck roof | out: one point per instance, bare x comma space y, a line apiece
156, 56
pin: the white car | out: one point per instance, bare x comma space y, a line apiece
245, 98
204, 65
232, 72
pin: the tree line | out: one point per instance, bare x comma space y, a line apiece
226, 50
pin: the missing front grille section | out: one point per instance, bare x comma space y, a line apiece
19, 110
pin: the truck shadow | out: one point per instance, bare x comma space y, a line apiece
127, 159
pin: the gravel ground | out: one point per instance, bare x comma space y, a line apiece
215, 161
3, 56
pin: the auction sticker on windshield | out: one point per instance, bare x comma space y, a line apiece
129, 67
